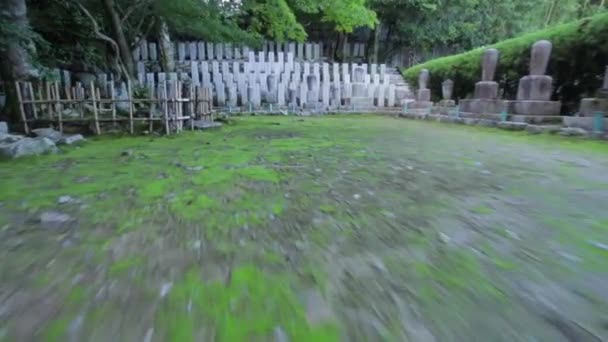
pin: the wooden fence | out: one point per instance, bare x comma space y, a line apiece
169, 103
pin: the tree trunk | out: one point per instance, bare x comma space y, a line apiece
377, 32
167, 56
123, 45
15, 52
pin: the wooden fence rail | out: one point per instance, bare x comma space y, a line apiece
171, 103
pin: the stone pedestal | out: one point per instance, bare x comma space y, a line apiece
592, 105
482, 106
534, 91
423, 95
486, 90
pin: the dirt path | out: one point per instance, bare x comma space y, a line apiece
336, 228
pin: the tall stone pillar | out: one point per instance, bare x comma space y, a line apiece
534, 91
485, 100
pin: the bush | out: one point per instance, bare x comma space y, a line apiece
577, 65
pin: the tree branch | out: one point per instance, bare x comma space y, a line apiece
100, 35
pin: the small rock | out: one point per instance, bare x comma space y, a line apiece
149, 335
512, 234
356, 196
6, 138
164, 290
48, 133
280, 335
317, 170
572, 131
512, 126
28, 146
54, 219
71, 139
409, 168
3, 127
444, 238
486, 172
65, 200
600, 245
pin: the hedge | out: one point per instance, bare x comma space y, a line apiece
577, 65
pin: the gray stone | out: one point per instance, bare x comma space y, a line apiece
591, 106
447, 89
48, 133
539, 57
512, 126
423, 79
3, 127
487, 90
486, 123
544, 108
488, 65
54, 220
65, 200
586, 123
71, 139
538, 129
482, 106
6, 138
572, 131
28, 146
535, 88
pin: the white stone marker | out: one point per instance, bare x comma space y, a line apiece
181, 52
193, 51
200, 47
194, 72
210, 52
308, 51
219, 51
391, 95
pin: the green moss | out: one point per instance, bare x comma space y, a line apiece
249, 307
56, 330
482, 210
124, 265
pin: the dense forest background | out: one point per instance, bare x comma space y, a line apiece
94, 35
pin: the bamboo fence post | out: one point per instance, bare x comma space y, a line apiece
33, 97
178, 107
166, 107
58, 106
130, 106
150, 110
192, 106
59, 111
21, 108
113, 104
95, 114
49, 98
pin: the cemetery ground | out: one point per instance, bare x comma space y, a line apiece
308, 229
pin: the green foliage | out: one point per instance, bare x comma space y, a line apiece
275, 20
438, 26
580, 51
201, 20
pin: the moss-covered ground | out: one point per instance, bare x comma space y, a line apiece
355, 228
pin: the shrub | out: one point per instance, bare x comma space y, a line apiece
577, 65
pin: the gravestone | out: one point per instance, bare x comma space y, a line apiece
599, 103
360, 97
485, 100
200, 47
447, 104
534, 91
423, 95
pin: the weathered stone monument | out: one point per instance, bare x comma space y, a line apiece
423, 95
360, 96
534, 91
599, 103
485, 99
446, 104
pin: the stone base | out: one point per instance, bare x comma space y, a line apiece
545, 108
590, 106
362, 102
420, 105
582, 122
537, 119
487, 90
482, 106
423, 95
447, 103
535, 88
485, 116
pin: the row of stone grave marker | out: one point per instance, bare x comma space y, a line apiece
201, 51
285, 82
